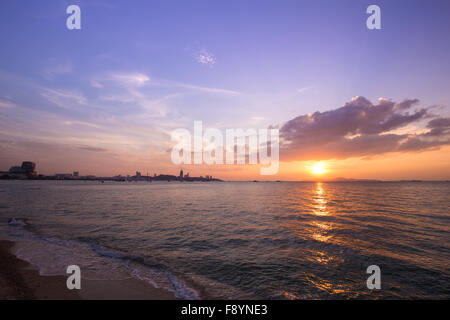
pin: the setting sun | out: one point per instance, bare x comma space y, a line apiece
318, 168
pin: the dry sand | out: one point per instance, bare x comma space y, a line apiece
20, 280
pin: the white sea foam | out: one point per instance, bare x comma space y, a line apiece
52, 255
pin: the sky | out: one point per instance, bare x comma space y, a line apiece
104, 99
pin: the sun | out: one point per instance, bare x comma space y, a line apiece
318, 168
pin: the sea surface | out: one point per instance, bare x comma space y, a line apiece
239, 240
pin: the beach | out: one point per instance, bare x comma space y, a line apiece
19, 280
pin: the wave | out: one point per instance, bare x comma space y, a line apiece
52, 255
181, 290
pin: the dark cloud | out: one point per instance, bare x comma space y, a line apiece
439, 127
93, 149
360, 128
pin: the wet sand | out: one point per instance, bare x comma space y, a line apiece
21, 281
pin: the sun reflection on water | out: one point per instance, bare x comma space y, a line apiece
320, 204
327, 286
322, 228
321, 234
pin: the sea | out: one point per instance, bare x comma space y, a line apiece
239, 240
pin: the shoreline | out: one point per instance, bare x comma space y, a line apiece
19, 280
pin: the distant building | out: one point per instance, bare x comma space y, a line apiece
26, 170
4, 175
15, 169
138, 174
76, 174
28, 166
64, 176
119, 178
181, 174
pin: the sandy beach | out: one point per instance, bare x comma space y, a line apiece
21, 281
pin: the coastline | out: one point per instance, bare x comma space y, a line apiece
19, 280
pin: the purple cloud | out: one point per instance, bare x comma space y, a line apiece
360, 128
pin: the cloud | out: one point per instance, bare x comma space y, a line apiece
206, 89
96, 84
361, 129
133, 79
439, 127
302, 90
204, 57
92, 149
55, 69
6, 104
65, 99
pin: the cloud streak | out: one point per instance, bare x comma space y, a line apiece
62, 98
53, 69
361, 129
6, 104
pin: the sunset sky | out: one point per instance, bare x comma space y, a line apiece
349, 102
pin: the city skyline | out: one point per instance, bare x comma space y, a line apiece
28, 170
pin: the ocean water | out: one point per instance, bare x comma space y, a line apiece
239, 240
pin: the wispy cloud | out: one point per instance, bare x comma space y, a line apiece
132, 90
206, 89
304, 89
124, 79
206, 58
134, 79
66, 99
92, 149
6, 104
53, 69
96, 84
130, 114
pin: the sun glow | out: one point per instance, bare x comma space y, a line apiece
318, 168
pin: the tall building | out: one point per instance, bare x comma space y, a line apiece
26, 170
181, 174
28, 166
